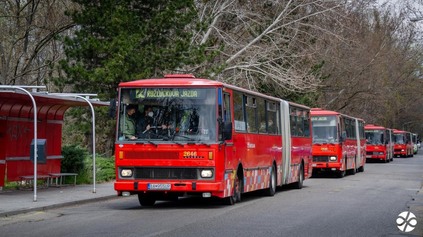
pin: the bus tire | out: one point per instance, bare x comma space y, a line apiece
299, 184
272, 183
146, 201
236, 194
341, 173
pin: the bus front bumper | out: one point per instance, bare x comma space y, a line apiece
197, 186
327, 165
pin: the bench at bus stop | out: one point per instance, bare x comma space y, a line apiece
56, 179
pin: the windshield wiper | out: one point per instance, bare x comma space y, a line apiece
203, 143
153, 143
176, 135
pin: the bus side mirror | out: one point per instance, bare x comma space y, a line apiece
112, 108
227, 131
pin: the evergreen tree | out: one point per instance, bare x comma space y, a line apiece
122, 40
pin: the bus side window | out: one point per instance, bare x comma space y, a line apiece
239, 112
306, 121
293, 122
250, 108
227, 107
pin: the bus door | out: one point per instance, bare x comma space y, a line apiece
357, 136
286, 141
225, 112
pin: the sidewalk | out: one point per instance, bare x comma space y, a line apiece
416, 207
14, 202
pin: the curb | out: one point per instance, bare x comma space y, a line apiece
58, 205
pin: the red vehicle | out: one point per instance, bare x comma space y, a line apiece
379, 143
209, 139
338, 142
403, 146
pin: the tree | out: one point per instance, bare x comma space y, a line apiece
264, 44
374, 68
29, 46
126, 40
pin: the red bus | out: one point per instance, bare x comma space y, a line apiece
403, 146
209, 139
338, 142
379, 143
415, 142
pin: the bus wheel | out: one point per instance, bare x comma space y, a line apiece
361, 168
272, 183
146, 201
299, 184
236, 195
341, 173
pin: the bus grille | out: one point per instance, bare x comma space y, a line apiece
151, 155
320, 158
165, 173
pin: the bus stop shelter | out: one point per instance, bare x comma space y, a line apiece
17, 131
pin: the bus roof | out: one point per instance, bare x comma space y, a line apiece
323, 112
171, 81
400, 131
374, 127
177, 80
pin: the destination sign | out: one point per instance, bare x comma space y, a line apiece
169, 93
319, 118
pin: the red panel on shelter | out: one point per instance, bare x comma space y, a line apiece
17, 131
2, 150
5, 109
15, 110
26, 112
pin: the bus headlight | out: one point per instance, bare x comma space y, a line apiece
206, 173
126, 172
332, 158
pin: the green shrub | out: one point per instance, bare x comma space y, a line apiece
105, 170
73, 159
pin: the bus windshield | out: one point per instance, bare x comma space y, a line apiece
399, 138
179, 115
374, 137
324, 129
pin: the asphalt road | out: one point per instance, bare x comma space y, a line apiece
364, 204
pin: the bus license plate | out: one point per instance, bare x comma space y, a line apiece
159, 186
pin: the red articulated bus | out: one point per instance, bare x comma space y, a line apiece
379, 143
207, 138
338, 142
403, 146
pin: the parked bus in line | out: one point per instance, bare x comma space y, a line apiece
415, 142
207, 138
338, 142
379, 143
403, 146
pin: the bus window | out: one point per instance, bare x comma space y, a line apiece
239, 112
272, 119
250, 109
261, 112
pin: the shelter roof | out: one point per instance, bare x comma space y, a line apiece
49, 106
